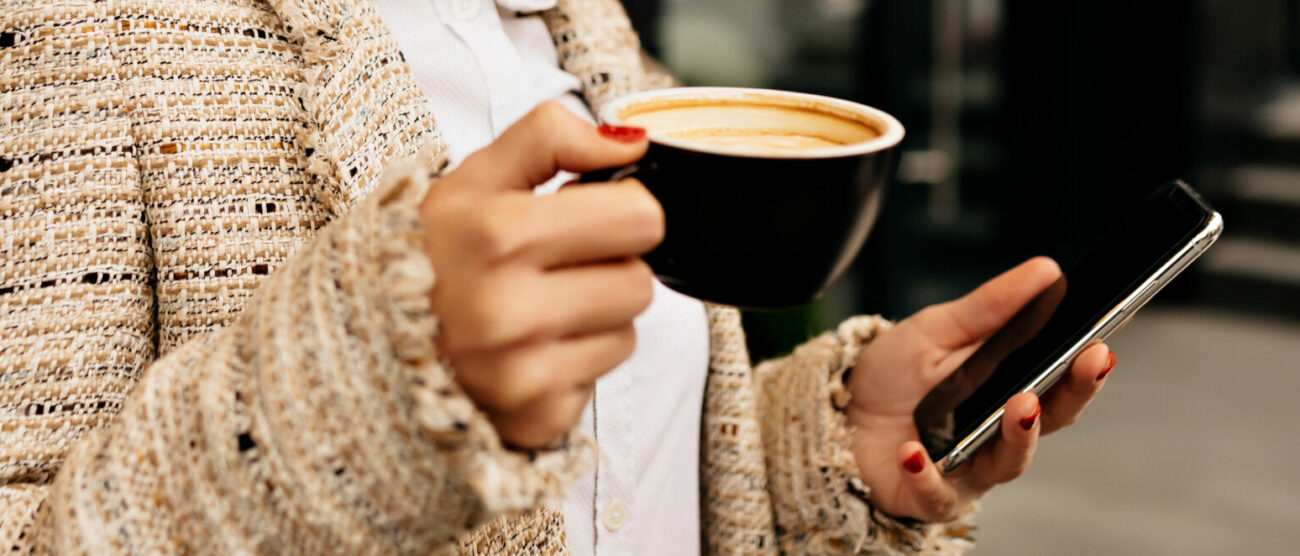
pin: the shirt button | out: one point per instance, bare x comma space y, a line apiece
615, 516
465, 10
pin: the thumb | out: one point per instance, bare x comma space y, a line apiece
978, 314
543, 142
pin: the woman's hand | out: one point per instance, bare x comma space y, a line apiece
535, 296
894, 372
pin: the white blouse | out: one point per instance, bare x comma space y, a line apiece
483, 66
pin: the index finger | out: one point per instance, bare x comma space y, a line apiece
978, 314
545, 141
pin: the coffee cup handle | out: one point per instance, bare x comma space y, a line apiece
610, 174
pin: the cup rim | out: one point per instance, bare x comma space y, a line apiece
891, 134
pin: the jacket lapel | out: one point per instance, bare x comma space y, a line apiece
595, 41
735, 506
363, 108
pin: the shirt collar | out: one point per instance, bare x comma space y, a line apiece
526, 5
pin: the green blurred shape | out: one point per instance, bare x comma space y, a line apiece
775, 333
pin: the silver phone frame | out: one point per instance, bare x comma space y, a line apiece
1113, 319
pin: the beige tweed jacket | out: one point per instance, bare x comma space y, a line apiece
215, 334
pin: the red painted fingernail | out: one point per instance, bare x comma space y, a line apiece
1110, 364
625, 134
914, 463
1029, 420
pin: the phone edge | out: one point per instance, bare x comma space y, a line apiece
1120, 314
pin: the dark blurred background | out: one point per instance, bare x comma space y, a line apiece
1031, 125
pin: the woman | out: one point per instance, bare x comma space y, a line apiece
223, 332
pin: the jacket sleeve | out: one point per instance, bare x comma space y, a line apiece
321, 421
819, 501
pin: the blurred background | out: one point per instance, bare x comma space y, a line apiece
1030, 124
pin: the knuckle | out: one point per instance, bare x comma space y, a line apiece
536, 317
523, 377
521, 319
640, 284
436, 206
498, 235
946, 510
616, 346
624, 343
928, 314
549, 112
475, 322
939, 505
444, 226
646, 215
494, 317
483, 234
645, 218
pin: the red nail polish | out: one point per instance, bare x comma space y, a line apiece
1110, 364
1028, 422
625, 134
914, 463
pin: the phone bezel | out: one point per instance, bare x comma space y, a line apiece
1137, 297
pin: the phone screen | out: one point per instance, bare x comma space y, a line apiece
1060, 317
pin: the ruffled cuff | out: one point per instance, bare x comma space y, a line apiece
322, 419
820, 501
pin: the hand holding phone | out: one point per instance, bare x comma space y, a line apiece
1097, 295
895, 371
972, 369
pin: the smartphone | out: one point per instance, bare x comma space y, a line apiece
1094, 297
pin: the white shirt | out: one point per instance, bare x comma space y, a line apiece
482, 68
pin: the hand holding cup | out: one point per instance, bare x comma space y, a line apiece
536, 295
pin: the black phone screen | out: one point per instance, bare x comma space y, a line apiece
1061, 316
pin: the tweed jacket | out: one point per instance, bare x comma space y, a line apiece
215, 333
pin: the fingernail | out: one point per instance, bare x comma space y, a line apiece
914, 463
1110, 364
1029, 420
624, 134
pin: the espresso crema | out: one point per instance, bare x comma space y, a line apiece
753, 124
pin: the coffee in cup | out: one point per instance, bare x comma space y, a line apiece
767, 195
749, 126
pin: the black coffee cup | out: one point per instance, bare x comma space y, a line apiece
767, 195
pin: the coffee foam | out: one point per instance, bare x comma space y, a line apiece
761, 124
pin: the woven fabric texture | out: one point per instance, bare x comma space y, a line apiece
215, 334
